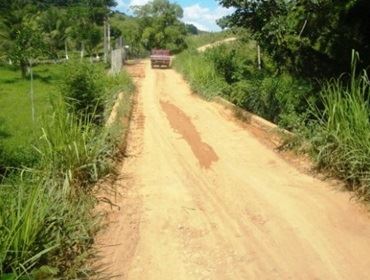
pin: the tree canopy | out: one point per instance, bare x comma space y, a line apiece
29, 28
313, 37
161, 25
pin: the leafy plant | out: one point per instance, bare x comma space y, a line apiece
83, 90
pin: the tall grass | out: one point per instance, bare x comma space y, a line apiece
22, 220
342, 142
200, 73
46, 209
46, 220
230, 70
70, 148
42, 225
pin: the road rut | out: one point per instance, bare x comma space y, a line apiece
202, 198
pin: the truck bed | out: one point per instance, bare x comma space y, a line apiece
160, 57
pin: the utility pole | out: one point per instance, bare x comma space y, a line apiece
108, 35
259, 56
105, 42
31, 92
66, 49
82, 50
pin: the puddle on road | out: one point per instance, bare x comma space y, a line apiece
182, 124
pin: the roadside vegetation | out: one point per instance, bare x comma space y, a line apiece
230, 71
46, 219
54, 141
55, 145
308, 82
340, 134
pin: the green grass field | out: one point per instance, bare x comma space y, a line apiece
17, 130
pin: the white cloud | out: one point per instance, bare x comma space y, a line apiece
126, 4
138, 2
198, 25
205, 18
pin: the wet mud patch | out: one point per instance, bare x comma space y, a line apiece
183, 125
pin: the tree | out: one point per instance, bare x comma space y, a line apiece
310, 37
161, 25
191, 29
57, 29
131, 32
59, 21
22, 40
27, 46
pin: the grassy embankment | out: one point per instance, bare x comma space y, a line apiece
195, 41
46, 220
333, 119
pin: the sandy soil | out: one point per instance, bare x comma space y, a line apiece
202, 198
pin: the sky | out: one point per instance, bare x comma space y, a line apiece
203, 14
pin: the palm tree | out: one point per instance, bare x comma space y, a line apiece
57, 30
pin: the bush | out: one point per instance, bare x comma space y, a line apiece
83, 90
225, 62
280, 99
230, 71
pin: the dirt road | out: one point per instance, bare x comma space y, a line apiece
215, 44
202, 198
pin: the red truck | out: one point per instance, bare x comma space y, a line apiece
160, 57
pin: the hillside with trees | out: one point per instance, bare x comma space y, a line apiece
310, 38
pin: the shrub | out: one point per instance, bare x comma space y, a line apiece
230, 71
83, 90
225, 62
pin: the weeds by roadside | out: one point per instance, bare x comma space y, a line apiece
340, 143
46, 219
231, 71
